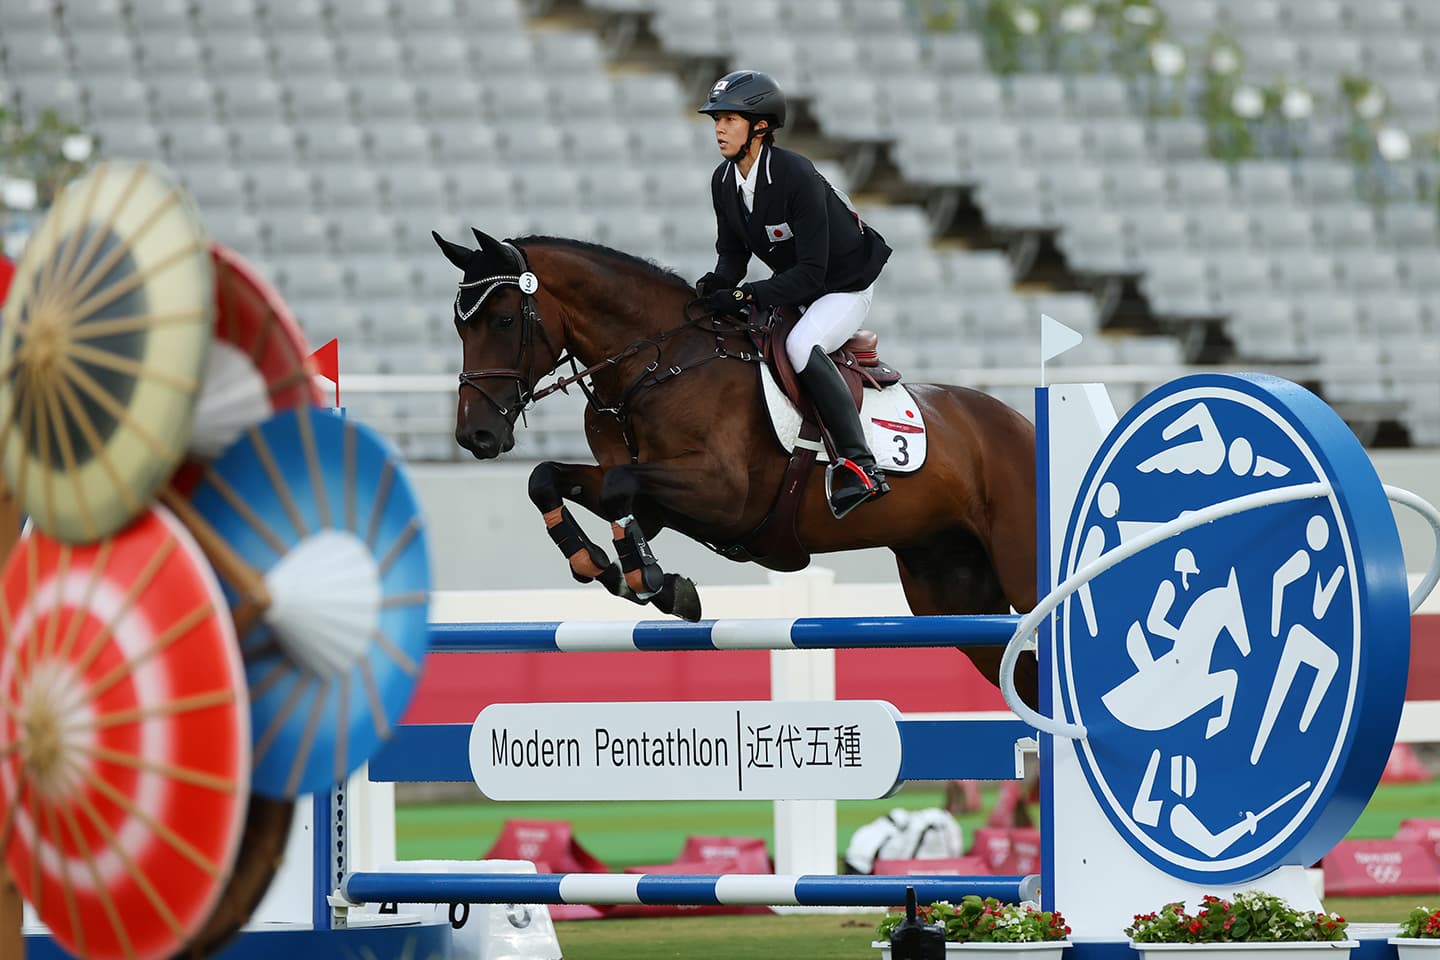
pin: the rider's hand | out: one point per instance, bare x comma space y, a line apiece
704, 284
726, 300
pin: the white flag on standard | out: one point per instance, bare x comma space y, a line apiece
1056, 338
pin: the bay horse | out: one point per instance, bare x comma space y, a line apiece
681, 439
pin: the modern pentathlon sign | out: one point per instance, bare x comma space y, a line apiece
716, 750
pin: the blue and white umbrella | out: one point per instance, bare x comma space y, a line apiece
334, 621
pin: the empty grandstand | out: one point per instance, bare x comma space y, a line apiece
1248, 183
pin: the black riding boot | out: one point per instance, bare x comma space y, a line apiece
856, 478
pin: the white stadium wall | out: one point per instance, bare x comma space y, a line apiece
486, 535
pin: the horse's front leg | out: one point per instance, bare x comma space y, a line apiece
550, 484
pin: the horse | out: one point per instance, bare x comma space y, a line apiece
681, 439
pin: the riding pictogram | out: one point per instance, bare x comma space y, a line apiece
1226, 674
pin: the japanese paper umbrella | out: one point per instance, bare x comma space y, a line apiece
124, 737
102, 348
323, 555
257, 362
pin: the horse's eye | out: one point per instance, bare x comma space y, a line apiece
504, 321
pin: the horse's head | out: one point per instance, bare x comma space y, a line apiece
501, 335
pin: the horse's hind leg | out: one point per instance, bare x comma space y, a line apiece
952, 574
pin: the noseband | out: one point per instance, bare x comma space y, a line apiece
528, 283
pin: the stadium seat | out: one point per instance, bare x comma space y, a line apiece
1097, 245
1283, 228
1345, 228
120, 99
1116, 140
1220, 229
303, 55
292, 16
215, 187
244, 99
382, 98
1176, 285
961, 53
1239, 276
133, 138
225, 17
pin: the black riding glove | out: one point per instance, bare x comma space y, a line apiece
705, 283
731, 301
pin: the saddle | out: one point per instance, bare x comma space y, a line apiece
858, 359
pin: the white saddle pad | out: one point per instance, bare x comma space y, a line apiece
891, 416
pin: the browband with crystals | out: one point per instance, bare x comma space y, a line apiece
526, 281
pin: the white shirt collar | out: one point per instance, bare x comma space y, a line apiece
747, 185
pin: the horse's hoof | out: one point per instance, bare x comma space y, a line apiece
679, 598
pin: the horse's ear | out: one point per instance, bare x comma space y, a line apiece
486, 241
455, 253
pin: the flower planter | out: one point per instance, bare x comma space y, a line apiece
1302, 950
1416, 948
1033, 950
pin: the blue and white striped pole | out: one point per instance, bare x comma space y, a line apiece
805, 633
678, 889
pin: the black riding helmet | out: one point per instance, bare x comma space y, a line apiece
750, 93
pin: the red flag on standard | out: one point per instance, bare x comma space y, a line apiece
325, 362
7, 270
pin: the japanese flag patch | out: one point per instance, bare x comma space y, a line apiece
778, 231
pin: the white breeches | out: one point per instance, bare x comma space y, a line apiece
827, 323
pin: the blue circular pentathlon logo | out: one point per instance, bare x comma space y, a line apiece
1241, 681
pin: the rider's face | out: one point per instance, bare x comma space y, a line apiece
730, 130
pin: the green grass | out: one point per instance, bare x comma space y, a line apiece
647, 832
730, 938
625, 834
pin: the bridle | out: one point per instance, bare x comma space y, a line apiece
652, 375
527, 283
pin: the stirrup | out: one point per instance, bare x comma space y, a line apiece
858, 484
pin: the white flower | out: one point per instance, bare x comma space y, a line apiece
1393, 144
1027, 21
19, 193
1371, 104
1077, 18
1139, 15
1167, 58
1224, 60
77, 147
1297, 104
1247, 102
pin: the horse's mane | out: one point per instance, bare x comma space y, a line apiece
649, 267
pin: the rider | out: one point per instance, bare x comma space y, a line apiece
773, 203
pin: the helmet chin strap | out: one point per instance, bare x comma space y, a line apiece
749, 138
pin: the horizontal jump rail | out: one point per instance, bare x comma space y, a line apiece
768, 890
805, 633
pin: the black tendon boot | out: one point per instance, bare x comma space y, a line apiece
856, 478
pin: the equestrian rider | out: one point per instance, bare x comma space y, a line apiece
774, 204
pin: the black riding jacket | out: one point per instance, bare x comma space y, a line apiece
800, 229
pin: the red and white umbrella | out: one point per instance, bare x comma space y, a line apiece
124, 738
257, 362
